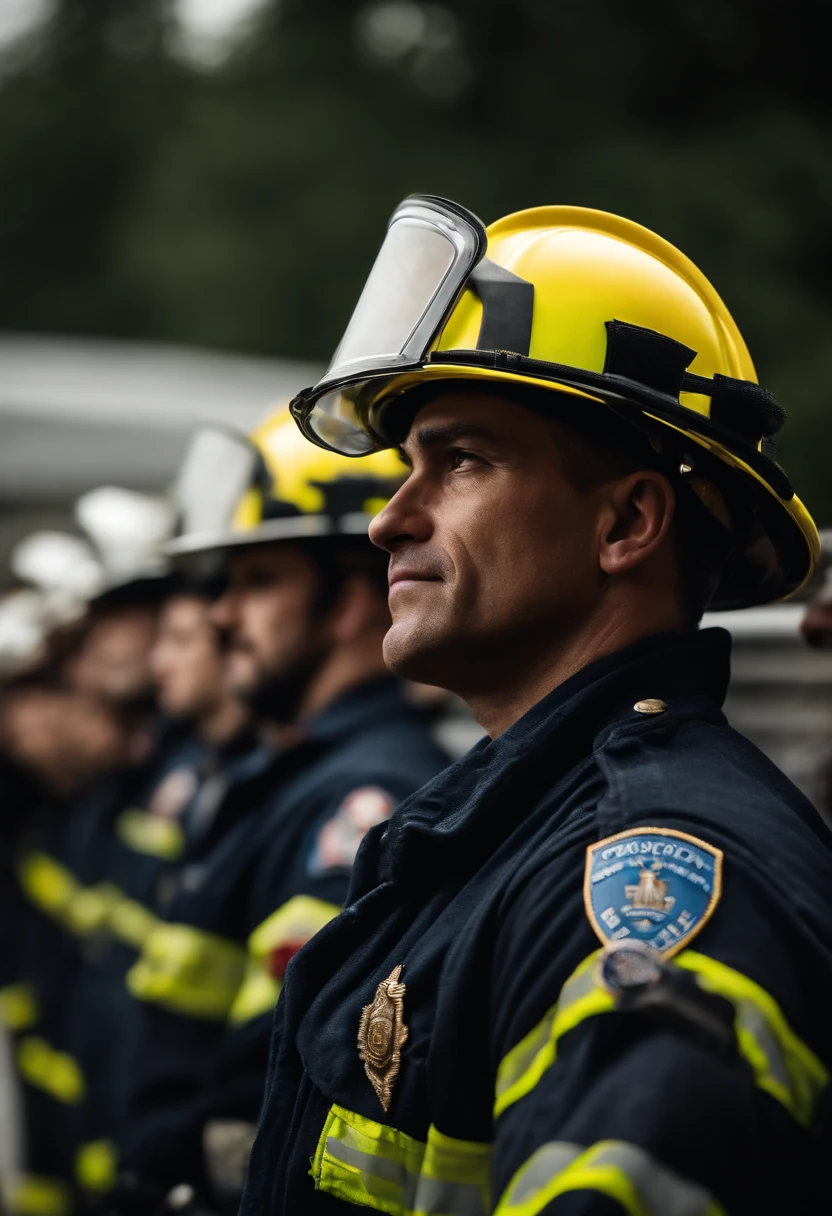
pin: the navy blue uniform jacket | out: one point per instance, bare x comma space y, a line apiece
523, 1085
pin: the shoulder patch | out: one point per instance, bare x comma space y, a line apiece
173, 793
338, 839
652, 885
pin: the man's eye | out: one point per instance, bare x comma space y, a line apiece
459, 458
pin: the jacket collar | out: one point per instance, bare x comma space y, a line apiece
476, 802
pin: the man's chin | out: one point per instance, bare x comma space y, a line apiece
414, 653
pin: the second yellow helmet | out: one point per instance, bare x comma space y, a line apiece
271, 486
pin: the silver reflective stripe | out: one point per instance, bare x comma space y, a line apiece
368, 1163
544, 1165
418, 1193
444, 1198
783, 1064
660, 1191
520, 1058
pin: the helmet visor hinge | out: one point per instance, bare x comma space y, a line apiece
507, 308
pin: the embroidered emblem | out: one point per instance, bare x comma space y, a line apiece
381, 1036
652, 885
338, 840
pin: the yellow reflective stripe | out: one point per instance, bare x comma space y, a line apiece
46, 883
783, 1064
127, 920
53, 1071
581, 997
291, 925
188, 971
34, 1195
88, 911
622, 1172
294, 923
96, 1165
257, 994
83, 910
367, 1163
154, 835
18, 1006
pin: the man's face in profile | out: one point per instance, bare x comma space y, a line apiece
492, 550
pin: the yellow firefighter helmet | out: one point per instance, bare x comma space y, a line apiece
581, 302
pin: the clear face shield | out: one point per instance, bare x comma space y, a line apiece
430, 250
218, 467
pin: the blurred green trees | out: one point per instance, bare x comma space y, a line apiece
239, 204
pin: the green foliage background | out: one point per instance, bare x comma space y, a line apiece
240, 205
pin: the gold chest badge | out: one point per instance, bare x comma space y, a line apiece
381, 1036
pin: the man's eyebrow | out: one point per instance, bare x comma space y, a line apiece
433, 435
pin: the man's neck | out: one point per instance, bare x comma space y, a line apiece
343, 670
525, 678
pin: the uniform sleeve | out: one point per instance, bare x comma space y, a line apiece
699, 1097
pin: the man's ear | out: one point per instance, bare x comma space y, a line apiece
636, 520
360, 607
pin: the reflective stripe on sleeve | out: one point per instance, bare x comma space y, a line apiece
36, 1195
188, 971
581, 997
367, 1163
295, 922
623, 1172
128, 920
258, 993
153, 835
287, 929
18, 1006
96, 1166
55, 1072
56, 892
83, 910
783, 1065
47, 884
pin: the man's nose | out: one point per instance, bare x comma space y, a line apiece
223, 611
403, 519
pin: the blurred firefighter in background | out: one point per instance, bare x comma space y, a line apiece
65, 745
269, 847
198, 727
90, 866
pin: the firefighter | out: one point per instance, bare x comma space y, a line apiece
268, 860
90, 867
58, 745
588, 968
136, 846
